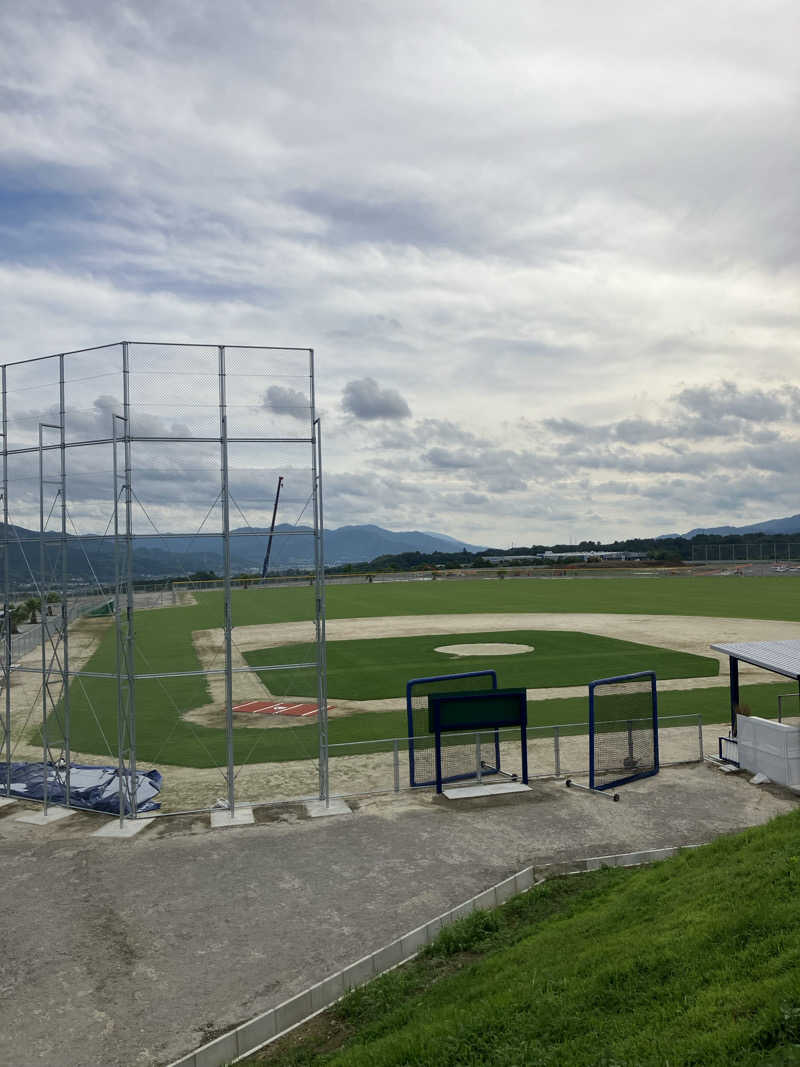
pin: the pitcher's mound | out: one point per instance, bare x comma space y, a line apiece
485, 649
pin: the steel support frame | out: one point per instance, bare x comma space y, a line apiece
55, 666
319, 611
54, 637
226, 570
5, 730
124, 626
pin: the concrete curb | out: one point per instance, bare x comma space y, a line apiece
247, 1038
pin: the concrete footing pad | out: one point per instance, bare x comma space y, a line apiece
5, 801
129, 828
319, 809
242, 816
39, 818
492, 790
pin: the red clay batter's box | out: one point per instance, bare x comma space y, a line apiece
276, 707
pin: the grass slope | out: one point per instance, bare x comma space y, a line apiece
380, 667
693, 961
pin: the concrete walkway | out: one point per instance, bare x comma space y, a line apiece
133, 952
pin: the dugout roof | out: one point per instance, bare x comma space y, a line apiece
780, 657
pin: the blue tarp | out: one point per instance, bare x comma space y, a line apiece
94, 788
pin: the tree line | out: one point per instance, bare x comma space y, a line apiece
29, 610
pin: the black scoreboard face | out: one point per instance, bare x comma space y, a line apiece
478, 710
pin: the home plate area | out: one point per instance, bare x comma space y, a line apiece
275, 707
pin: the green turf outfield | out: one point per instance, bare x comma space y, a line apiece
379, 668
164, 643
735, 597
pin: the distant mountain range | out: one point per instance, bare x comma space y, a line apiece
160, 556
789, 525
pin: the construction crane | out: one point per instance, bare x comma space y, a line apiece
265, 567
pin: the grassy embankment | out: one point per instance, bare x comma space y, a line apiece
164, 643
693, 961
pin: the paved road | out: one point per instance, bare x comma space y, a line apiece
131, 952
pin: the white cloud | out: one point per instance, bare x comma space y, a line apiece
555, 237
284, 401
367, 400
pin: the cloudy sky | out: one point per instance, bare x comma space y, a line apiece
548, 255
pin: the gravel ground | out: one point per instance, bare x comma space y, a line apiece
134, 952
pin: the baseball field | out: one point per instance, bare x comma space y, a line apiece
565, 633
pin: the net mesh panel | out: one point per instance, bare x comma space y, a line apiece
459, 752
623, 732
460, 755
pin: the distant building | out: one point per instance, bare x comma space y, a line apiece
510, 559
550, 556
589, 555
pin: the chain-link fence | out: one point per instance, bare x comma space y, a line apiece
361, 768
119, 464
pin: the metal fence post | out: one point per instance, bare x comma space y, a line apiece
557, 750
781, 698
396, 758
226, 563
700, 734
478, 757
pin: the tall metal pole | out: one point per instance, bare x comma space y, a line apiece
65, 704
47, 648
226, 551
121, 702
43, 626
7, 644
130, 642
319, 602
